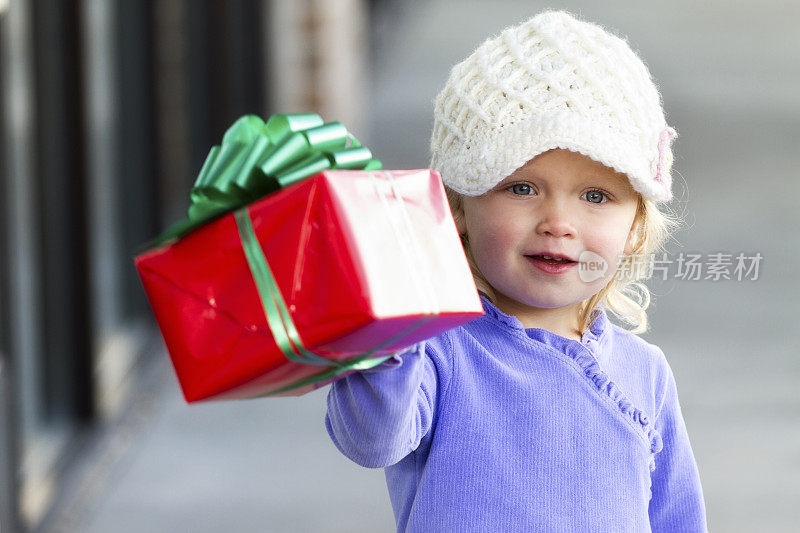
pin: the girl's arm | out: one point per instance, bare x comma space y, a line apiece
677, 503
378, 416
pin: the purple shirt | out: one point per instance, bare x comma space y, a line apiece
494, 427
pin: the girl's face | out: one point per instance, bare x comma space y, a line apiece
559, 202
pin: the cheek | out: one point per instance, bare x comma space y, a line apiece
608, 241
494, 236
492, 246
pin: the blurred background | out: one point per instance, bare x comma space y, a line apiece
109, 109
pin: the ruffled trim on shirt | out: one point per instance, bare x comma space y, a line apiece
509, 320
604, 384
591, 368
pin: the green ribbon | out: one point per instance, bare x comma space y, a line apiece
258, 158
255, 159
281, 324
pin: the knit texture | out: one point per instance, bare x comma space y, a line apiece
494, 427
551, 82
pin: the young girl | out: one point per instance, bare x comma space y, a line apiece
541, 415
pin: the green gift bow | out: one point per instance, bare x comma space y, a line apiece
256, 159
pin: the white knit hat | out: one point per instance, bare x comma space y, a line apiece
551, 82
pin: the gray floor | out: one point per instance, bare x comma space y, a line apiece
729, 73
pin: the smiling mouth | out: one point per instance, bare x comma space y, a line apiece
550, 260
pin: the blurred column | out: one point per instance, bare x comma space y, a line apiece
21, 227
318, 53
60, 178
172, 89
224, 65
121, 197
103, 194
136, 140
9, 462
22, 224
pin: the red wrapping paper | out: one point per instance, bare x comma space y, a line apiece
359, 257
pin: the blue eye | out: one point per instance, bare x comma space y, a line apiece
596, 197
521, 189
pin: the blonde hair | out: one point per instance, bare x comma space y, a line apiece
624, 295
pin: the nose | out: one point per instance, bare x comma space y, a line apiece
555, 221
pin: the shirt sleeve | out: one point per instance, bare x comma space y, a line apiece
677, 503
378, 416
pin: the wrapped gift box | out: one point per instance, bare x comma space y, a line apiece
363, 259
